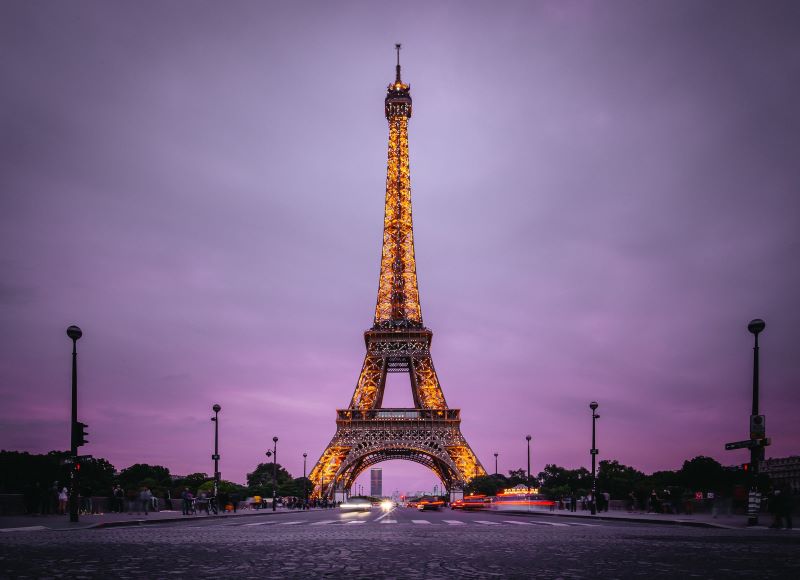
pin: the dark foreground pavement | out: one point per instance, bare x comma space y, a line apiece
402, 543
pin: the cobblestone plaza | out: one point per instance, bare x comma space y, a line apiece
401, 543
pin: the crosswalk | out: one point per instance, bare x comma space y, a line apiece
440, 523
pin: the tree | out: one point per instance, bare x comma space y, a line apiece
558, 481
294, 487
487, 485
21, 471
703, 474
617, 479
141, 474
96, 477
520, 477
225, 486
193, 481
259, 482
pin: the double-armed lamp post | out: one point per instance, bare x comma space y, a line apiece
757, 430
274, 470
305, 488
215, 457
76, 428
593, 451
528, 480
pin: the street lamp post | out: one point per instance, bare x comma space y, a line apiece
593, 451
305, 493
495, 463
274, 470
756, 451
215, 457
528, 480
74, 333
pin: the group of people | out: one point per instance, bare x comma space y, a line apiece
209, 503
54, 499
143, 500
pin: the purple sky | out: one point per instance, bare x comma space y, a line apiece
604, 195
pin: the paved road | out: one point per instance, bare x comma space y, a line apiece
402, 543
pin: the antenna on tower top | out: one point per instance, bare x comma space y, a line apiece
397, 47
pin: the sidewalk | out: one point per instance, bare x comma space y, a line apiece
701, 520
56, 522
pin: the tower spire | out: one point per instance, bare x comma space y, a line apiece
398, 296
397, 47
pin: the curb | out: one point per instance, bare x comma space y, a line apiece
689, 523
139, 522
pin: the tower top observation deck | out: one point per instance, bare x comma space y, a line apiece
398, 94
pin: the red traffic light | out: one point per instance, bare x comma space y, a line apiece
745, 467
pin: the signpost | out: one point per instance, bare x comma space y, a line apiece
748, 444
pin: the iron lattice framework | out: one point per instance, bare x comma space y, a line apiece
366, 433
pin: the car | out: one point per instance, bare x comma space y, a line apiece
471, 502
429, 503
355, 504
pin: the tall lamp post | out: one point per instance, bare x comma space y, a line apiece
593, 451
757, 430
274, 470
215, 457
528, 481
305, 492
74, 333
495, 463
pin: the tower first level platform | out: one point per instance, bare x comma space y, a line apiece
426, 436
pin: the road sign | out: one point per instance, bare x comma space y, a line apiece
215, 457
748, 444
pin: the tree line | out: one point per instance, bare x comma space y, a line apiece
702, 474
22, 472
35, 474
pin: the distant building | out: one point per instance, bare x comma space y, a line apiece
376, 482
783, 472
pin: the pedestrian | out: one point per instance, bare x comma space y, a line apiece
666, 502
118, 499
606, 500
145, 498
86, 500
655, 502
186, 496
223, 500
775, 507
168, 500
786, 506
51, 501
63, 497
235, 497
632, 501
132, 498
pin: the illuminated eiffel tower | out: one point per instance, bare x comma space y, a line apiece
398, 342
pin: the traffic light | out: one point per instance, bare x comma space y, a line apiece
79, 434
745, 467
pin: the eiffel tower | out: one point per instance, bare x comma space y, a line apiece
398, 342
